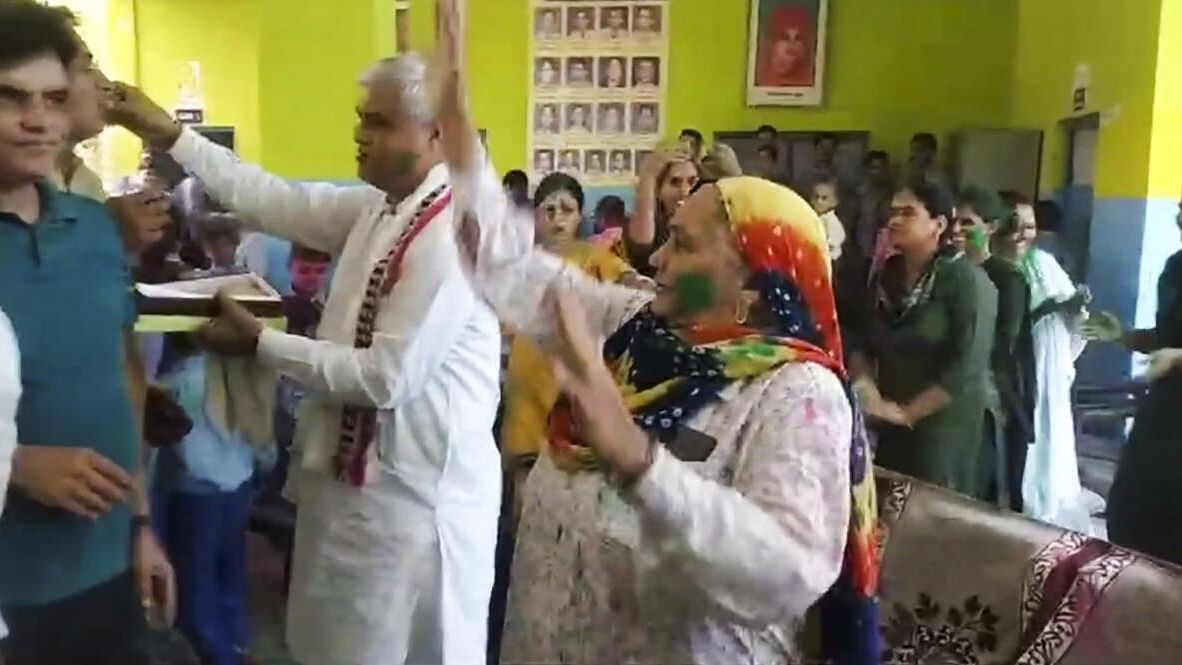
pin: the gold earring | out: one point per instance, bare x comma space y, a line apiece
740, 312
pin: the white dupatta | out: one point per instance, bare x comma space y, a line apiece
1051, 490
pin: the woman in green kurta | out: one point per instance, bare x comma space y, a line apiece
986, 229
923, 369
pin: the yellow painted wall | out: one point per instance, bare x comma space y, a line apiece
220, 34
288, 90
1165, 165
1119, 41
283, 72
894, 67
310, 57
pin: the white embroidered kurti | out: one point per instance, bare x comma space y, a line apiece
399, 571
1051, 490
10, 393
707, 563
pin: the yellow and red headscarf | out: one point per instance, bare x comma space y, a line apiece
783, 242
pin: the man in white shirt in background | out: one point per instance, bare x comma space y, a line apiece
10, 393
143, 213
399, 491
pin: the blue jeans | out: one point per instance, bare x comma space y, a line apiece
205, 536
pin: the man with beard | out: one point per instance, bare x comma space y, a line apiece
398, 487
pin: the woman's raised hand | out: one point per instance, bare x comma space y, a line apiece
656, 162
721, 162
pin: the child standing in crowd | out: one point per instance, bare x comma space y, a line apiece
692, 141
219, 240
302, 309
610, 219
202, 497
309, 275
516, 184
825, 201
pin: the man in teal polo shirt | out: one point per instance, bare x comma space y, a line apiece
75, 562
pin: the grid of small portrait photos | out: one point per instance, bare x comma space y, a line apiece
597, 102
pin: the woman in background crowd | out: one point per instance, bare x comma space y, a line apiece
922, 357
1145, 504
1051, 490
219, 235
987, 231
720, 162
666, 179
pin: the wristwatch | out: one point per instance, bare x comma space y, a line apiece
140, 522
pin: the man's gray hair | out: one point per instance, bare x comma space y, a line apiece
407, 72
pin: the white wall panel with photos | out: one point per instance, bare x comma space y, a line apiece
597, 96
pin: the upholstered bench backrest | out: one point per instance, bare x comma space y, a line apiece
966, 583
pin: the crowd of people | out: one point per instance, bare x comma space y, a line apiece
694, 394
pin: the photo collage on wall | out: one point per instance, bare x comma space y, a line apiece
597, 102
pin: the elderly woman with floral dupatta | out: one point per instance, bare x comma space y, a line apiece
707, 477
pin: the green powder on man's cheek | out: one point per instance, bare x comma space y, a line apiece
403, 161
693, 293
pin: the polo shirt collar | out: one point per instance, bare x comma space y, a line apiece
55, 206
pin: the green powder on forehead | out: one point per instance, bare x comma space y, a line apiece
693, 293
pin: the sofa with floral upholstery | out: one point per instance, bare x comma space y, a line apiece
966, 584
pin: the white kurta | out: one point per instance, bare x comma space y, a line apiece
399, 571
10, 392
1051, 490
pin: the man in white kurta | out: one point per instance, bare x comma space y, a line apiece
399, 569
10, 393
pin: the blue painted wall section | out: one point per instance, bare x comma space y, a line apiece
1114, 275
